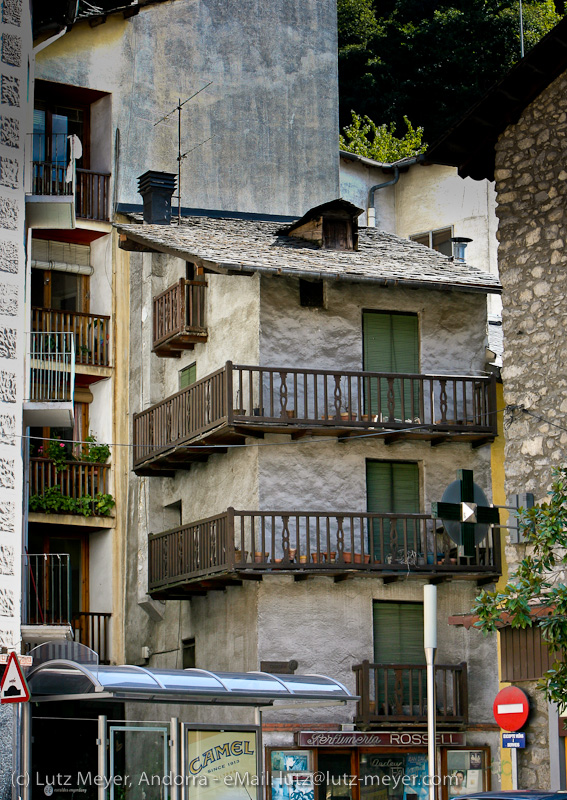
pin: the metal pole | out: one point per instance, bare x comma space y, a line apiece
521, 30
430, 647
174, 757
101, 742
179, 164
26, 767
260, 745
514, 755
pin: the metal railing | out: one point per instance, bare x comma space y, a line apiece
52, 367
92, 194
91, 332
398, 693
47, 580
179, 310
309, 541
323, 399
91, 628
53, 165
78, 479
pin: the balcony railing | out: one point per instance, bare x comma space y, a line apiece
53, 165
398, 693
179, 317
92, 629
91, 332
78, 479
92, 194
47, 578
52, 367
236, 398
312, 542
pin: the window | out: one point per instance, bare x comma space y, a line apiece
188, 652
392, 487
391, 344
187, 376
439, 240
311, 294
398, 633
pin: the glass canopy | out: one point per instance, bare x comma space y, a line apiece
62, 678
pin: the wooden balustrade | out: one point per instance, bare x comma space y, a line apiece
78, 479
92, 332
179, 317
181, 417
92, 194
299, 541
435, 407
398, 693
91, 628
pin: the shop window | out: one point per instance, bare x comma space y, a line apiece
439, 240
311, 294
465, 771
187, 376
292, 775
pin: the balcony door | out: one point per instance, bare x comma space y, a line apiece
59, 291
398, 642
392, 487
391, 346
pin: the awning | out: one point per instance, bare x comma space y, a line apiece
62, 679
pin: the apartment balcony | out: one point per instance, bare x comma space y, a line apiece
58, 192
91, 334
179, 318
240, 401
79, 490
51, 380
391, 694
247, 545
47, 614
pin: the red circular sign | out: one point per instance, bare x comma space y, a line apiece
511, 708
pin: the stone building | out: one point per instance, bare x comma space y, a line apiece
516, 135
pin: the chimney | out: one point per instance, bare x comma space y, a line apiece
459, 246
157, 188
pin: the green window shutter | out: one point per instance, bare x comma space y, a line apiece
398, 633
392, 487
187, 376
391, 345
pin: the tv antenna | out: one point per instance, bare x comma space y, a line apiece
181, 156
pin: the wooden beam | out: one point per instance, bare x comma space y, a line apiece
125, 243
482, 442
392, 438
390, 579
437, 440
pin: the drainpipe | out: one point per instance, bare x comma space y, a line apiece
371, 209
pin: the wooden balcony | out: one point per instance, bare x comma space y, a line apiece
246, 545
92, 194
179, 318
397, 693
91, 333
239, 401
78, 480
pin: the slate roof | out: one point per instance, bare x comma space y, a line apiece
243, 245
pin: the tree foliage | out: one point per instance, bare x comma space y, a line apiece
380, 142
537, 594
429, 59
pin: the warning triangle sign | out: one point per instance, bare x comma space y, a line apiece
13, 688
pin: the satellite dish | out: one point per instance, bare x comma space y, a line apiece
452, 494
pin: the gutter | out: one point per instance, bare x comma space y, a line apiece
371, 208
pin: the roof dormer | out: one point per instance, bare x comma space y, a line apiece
333, 226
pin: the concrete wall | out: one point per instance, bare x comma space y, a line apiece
267, 63
531, 184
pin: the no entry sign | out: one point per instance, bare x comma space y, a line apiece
511, 708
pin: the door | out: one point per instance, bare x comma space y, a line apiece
398, 642
392, 487
391, 345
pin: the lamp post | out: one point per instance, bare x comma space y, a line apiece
430, 646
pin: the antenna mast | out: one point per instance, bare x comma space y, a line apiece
180, 156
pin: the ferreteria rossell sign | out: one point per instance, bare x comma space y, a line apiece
378, 739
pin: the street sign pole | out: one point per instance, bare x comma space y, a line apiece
430, 646
514, 755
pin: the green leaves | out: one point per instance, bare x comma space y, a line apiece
53, 502
536, 593
380, 142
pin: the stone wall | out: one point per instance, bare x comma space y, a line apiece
531, 182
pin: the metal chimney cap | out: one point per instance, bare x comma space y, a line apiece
152, 179
460, 239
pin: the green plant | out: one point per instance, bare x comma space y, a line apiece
380, 142
57, 452
536, 594
53, 502
95, 452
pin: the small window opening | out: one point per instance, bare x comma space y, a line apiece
311, 294
188, 648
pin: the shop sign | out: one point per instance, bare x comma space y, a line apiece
218, 759
376, 739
